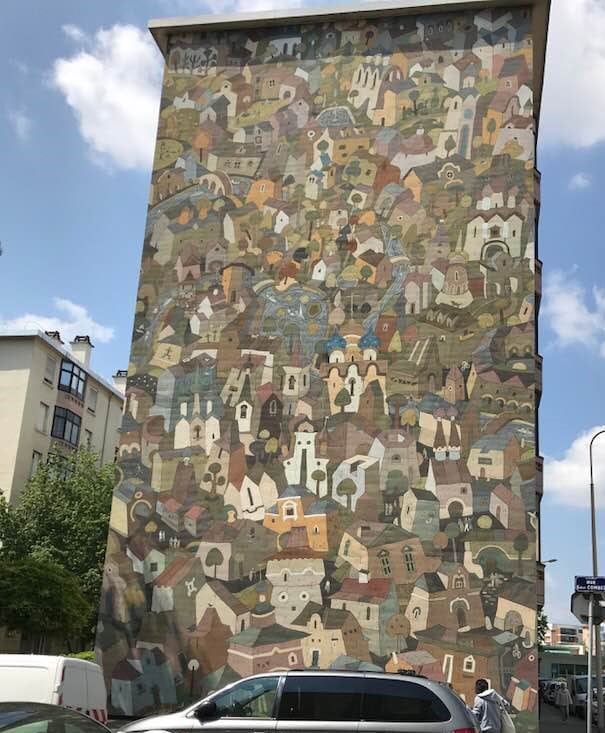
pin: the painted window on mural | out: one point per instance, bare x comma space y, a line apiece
331, 400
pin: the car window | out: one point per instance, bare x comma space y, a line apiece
401, 701
321, 697
24, 718
253, 698
26, 683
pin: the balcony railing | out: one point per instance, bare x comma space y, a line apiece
539, 475
538, 278
540, 583
537, 179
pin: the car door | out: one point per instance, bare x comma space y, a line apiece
249, 705
313, 702
398, 705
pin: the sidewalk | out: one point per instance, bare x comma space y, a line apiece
550, 722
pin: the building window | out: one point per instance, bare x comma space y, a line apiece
346, 548
42, 424
408, 559
36, 458
368, 613
243, 412
93, 395
385, 562
66, 426
50, 370
72, 379
88, 439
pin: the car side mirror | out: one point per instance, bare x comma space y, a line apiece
206, 710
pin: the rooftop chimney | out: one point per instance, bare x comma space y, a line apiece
55, 335
81, 348
119, 380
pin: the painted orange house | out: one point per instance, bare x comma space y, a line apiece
297, 507
261, 190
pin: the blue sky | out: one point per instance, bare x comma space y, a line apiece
81, 86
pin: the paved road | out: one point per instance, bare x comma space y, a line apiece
550, 722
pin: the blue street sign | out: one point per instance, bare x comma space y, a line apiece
590, 584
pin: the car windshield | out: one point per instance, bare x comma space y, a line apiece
251, 698
34, 718
582, 683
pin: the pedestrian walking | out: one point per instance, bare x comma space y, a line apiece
563, 701
490, 711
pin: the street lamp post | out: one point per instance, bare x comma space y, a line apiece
595, 572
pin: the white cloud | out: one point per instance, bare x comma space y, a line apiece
76, 34
570, 316
579, 181
191, 7
21, 124
567, 479
112, 83
573, 110
73, 320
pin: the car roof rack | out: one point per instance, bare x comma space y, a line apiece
410, 673
327, 671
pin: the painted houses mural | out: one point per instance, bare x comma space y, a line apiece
328, 453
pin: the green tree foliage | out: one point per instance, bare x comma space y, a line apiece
41, 599
520, 543
318, 476
450, 144
542, 628
87, 656
346, 488
214, 558
342, 399
213, 478
62, 517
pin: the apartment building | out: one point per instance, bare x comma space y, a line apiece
565, 650
50, 402
565, 635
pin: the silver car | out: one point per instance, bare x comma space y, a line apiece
322, 702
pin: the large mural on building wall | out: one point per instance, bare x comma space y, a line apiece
328, 452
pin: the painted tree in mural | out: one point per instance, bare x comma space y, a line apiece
332, 389
398, 626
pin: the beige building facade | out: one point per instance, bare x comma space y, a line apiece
51, 401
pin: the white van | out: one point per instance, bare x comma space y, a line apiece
73, 683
